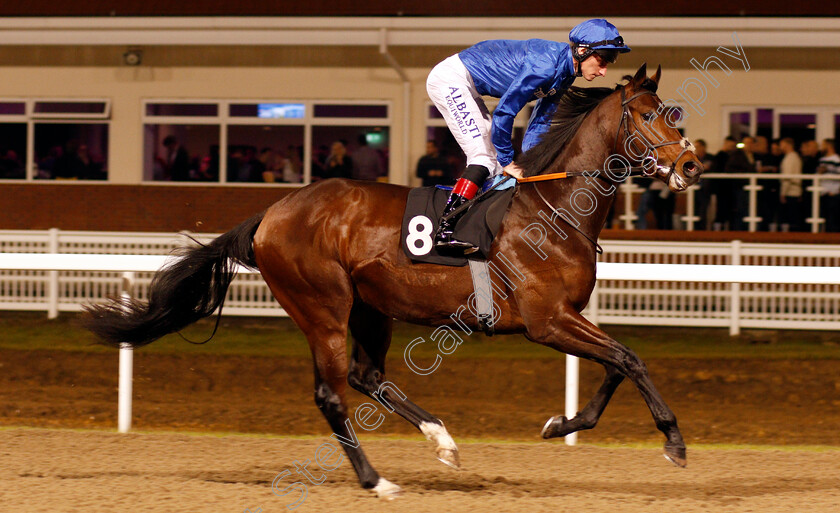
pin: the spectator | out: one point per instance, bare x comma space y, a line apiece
830, 197
11, 166
69, 166
768, 196
319, 162
810, 157
790, 194
293, 164
810, 153
338, 164
703, 193
432, 168
177, 160
367, 164
267, 160
741, 160
722, 189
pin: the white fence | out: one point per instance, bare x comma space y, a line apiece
67, 291
638, 302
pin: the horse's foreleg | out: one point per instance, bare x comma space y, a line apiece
371, 331
574, 335
588, 417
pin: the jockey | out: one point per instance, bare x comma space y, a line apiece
516, 72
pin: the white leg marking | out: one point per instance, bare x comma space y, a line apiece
447, 451
386, 489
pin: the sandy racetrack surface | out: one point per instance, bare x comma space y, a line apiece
779, 402
65, 471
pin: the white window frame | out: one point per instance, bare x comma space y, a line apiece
30, 118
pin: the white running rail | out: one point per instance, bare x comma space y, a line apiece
678, 274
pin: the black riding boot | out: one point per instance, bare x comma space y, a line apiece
465, 189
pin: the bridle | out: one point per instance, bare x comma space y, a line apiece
649, 160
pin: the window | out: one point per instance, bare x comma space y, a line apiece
68, 141
802, 123
800, 127
264, 141
740, 124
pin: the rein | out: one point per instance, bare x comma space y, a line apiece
642, 170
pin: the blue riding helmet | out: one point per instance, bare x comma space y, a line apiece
597, 36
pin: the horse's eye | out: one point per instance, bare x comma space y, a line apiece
647, 116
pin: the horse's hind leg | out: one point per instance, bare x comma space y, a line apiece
321, 313
588, 417
371, 331
329, 353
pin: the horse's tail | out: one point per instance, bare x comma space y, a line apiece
187, 290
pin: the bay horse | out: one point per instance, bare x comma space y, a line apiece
330, 253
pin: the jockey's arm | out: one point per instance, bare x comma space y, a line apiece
540, 122
531, 76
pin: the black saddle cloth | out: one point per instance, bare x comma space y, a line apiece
478, 225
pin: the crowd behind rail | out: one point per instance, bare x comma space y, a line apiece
783, 202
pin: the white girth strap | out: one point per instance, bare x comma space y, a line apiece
483, 290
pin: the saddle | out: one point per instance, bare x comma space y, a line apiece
478, 226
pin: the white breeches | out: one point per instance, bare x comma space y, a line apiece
452, 90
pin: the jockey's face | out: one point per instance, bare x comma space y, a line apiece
593, 66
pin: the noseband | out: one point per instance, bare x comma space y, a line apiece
648, 161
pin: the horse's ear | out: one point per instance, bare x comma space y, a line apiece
656, 76
640, 76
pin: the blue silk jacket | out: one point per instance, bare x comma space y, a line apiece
518, 72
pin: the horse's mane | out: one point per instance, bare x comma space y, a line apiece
572, 109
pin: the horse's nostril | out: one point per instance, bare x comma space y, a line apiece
690, 168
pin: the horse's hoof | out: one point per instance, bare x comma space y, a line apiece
447, 451
675, 455
449, 457
554, 427
386, 490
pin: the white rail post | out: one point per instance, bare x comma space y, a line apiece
815, 220
126, 368
52, 281
573, 370
752, 218
629, 217
735, 294
690, 217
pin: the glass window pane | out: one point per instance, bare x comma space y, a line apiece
351, 111
359, 152
70, 107
801, 127
71, 151
12, 150
739, 124
764, 123
434, 113
268, 110
836, 128
265, 153
182, 109
12, 108
181, 153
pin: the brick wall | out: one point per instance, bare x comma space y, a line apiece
130, 207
